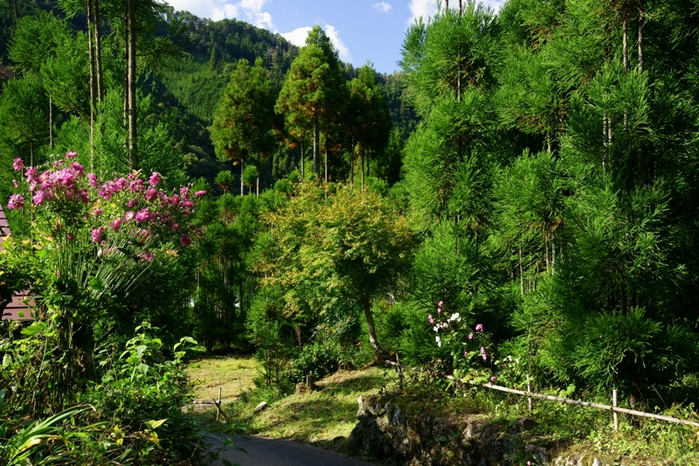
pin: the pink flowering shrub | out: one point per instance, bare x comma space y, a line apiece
100, 235
469, 347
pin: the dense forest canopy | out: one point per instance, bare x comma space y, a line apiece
519, 202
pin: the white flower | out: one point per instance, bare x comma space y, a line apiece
455, 317
436, 328
438, 340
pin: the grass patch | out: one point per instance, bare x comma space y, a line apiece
325, 416
233, 375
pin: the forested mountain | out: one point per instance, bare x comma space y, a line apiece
519, 203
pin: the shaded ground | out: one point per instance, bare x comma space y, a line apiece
260, 451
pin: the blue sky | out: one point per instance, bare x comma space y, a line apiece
361, 30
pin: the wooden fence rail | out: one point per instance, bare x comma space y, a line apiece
613, 409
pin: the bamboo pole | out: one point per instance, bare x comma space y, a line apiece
616, 416
592, 405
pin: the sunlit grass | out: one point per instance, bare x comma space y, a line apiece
232, 374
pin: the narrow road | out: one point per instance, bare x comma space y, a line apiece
269, 452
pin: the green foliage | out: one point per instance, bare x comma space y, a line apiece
317, 359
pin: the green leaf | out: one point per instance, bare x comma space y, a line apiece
34, 329
152, 425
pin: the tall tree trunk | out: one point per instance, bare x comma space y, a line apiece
373, 341
15, 9
98, 52
326, 156
362, 168
50, 121
352, 163
91, 82
242, 185
625, 40
131, 51
259, 170
315, 145
640, 36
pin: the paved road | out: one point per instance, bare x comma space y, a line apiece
268, 452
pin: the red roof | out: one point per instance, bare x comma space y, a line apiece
15, 309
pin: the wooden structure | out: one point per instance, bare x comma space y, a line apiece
15, 309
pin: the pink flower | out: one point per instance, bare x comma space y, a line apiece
16, 202
470, 336
174, 226
146, 256
115, 224
155, 179
143, 235
71, 155
39, 198
77, 168
120, 184
185, 240
97, 211
492, 378
131, 203
466, 353
15, 184
151, 194
70, 237
483, 353
142, 215
96, 234
183, 191
199, 193
30, 173
92, 179
440, 304
431, 319
128, 216
479, 328
18, 164
136, 186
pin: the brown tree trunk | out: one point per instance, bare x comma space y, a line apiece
326, 156
315, 145
91, 81
131, 52
98, 52
640, 37
373, 341
50, 121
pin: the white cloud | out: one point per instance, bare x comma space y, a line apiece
422, 9
297, 36
383, 7
244, 10
342, 49
252, 12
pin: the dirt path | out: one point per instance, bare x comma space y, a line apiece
260, 451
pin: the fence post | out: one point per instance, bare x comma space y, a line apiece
616, 416
218, 405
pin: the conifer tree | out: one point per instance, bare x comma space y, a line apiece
244, 119
314, 91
